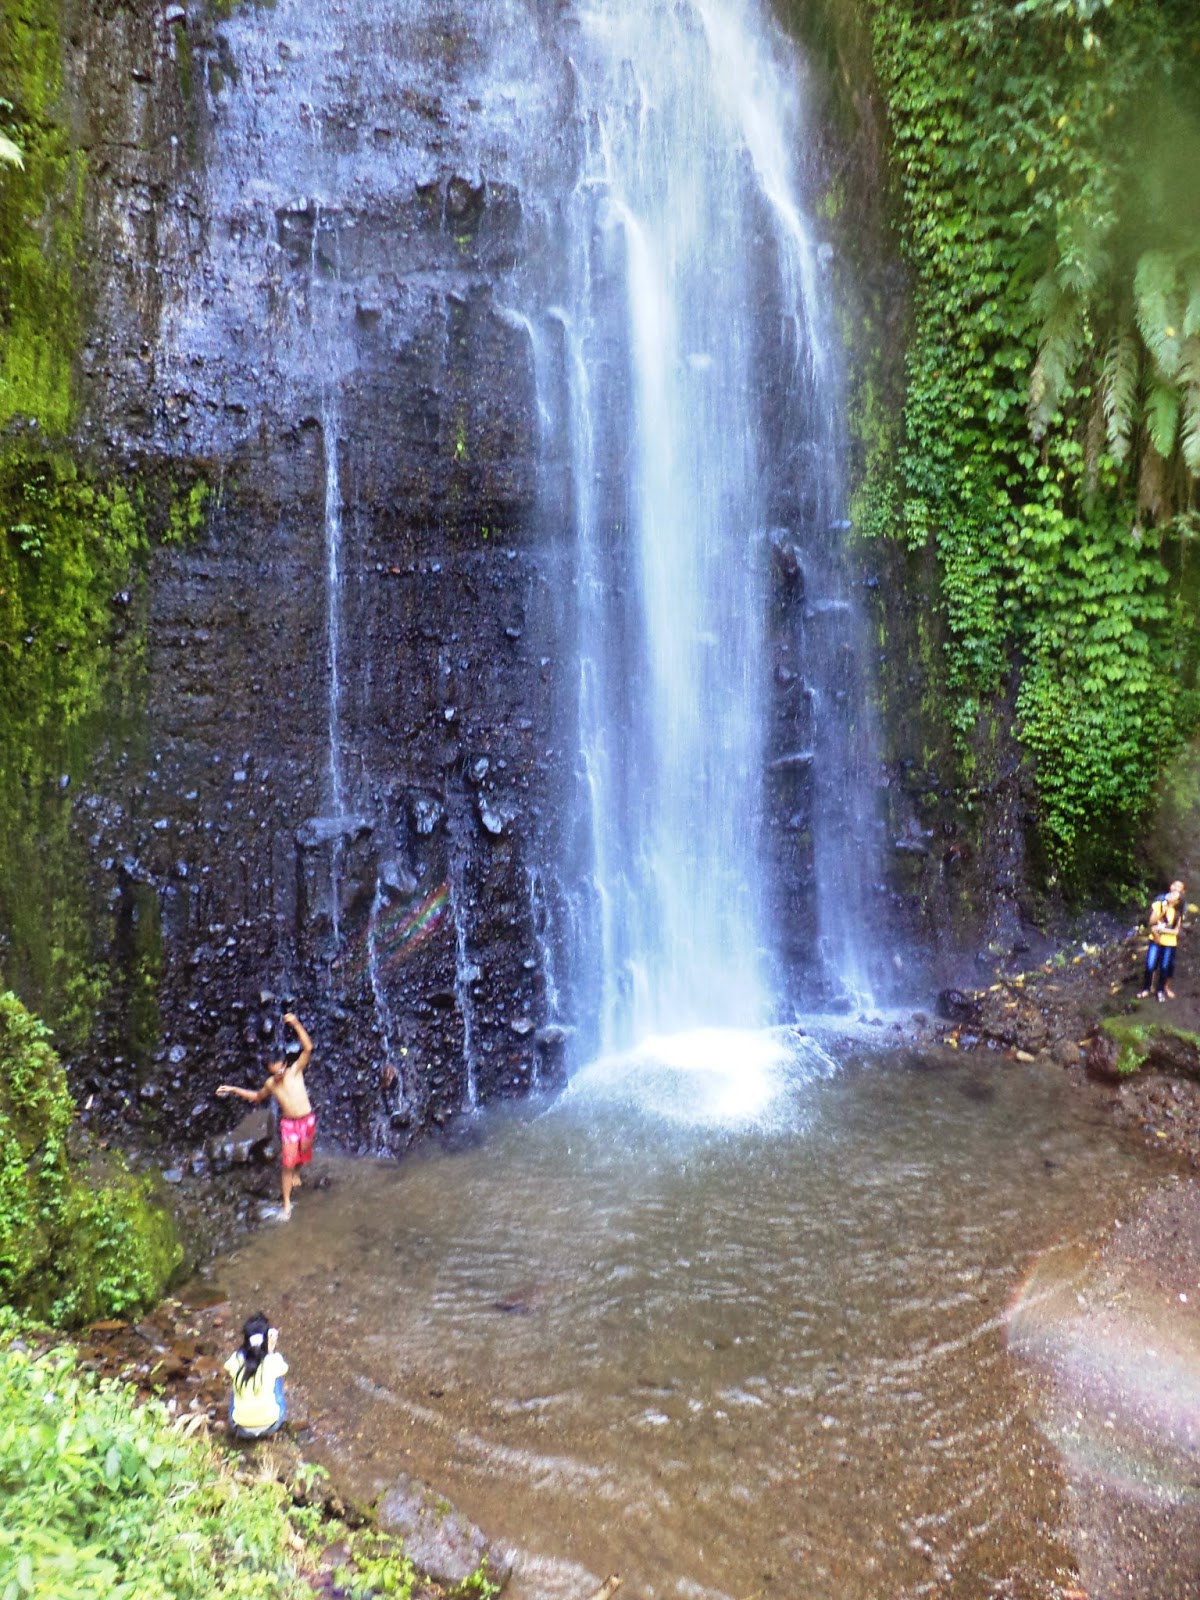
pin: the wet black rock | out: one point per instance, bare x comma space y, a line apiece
436, 1535
253, 1139
316, 831
954, 1006
788, 562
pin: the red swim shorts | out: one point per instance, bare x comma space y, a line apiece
297, 1134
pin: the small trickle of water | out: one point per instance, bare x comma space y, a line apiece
465, 974
545, 936
383, 1012
333, 613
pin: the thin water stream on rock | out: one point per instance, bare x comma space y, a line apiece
729, 1320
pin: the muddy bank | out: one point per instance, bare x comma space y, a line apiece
1112, 1337
1080, 1009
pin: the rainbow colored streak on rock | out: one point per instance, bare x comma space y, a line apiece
395, 935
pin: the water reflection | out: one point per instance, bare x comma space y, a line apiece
762, 1359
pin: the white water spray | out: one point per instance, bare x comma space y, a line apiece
703, 402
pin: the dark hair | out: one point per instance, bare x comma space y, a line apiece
253, 1347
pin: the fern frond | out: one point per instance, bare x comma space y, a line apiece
1118, 393
1159, 307
1083, 261
1152, 482
1162, 416
1189, 435
1095, 438
1190, 432
1191, 315
1058, 355
1045, 296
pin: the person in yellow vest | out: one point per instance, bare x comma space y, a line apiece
1166, 924
257, 1406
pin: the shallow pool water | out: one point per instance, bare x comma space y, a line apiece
725, 1345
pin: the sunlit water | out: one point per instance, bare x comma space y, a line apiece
752, 1353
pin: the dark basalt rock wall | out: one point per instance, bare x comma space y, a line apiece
305, 222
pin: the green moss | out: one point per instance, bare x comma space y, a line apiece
71, 671
1135, 1037
187, 513
143, 1020
1132, 1041
79, 1238
41, 224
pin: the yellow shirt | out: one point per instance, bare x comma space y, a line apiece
258, 1403
1164, 913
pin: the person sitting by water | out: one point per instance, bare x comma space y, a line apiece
257, 1406
1166, 924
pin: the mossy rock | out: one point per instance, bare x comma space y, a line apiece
1128, 1044
80, 1236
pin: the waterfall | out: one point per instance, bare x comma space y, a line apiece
703, 412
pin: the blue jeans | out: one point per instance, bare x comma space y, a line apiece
1162, 957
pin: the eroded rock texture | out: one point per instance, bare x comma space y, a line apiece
313, 238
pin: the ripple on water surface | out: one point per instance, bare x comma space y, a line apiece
726, 1337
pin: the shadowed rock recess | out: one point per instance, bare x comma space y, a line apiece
326, 275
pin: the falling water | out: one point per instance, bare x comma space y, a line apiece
465, 974
333, 614
703, 404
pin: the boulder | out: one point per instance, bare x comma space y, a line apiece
252, 1139
955, 1006
1067, 1053
436, 1535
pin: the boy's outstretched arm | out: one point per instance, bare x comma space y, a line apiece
254, 1096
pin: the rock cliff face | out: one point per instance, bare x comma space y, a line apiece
353, 781
352, 749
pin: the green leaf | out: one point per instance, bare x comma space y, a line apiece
1189, 372
1118, 393
1159, 308
10, 154
1058, 356
1162, 416
1191, 315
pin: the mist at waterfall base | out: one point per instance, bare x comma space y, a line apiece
766, 1358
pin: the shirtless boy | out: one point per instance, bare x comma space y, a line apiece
297, 1119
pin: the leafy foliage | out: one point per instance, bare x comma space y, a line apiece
1051, 430
78, 1239
87, 1477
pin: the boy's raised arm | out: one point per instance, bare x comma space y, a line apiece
306, 1044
